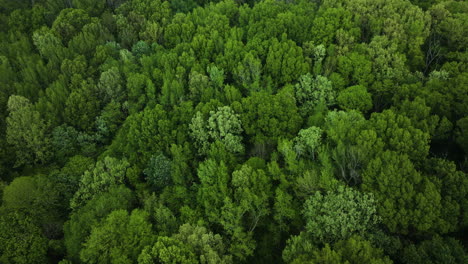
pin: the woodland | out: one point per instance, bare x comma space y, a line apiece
233, 131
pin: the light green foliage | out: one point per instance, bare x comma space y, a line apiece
38, 197
355, 97
110, 87
216, 76
396, 184
339, 214
248, 73
105, 174
119, 238
49, 45
251, 192
27, 132
181, 172
162, 218
311, 92
223, 125
449, 15
199, 132
328, 21
358, 250
208, 247
308, 141
91, 36
446, 93
354, 250
404, 24
70, 175
353, 146
52, 105
167, 250
298, 250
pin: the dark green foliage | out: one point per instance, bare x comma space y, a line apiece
233, 131
435, 250
79, 227
21, 240
158, 172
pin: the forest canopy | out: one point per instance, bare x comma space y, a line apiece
233, 131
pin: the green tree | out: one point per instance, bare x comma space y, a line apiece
110, 85
167, 250
143, 134
105, 174
27, 132
399, 135
69, 23
141, 91
21, 241
208, 247
339, 214
223, 125
251, 193
353, 250
307, 141
82, 107
78, 228
355, 97
49, 45
158, 172
265, 118
248, 73
94, 8
213, 189
109, 121
119, 238
435, 250
406, 200
311, 92
462, 134
285, 61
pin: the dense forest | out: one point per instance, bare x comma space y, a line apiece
234, 131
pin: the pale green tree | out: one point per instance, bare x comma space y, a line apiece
27, 132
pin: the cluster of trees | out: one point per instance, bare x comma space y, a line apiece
153, 131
